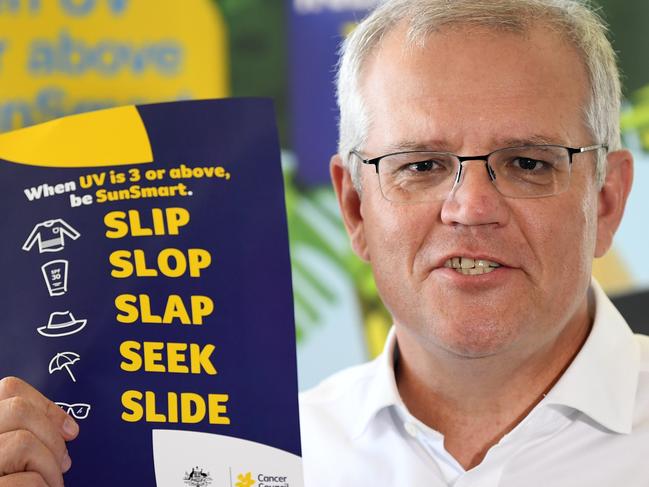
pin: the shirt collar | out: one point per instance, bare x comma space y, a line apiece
381, 392
601, 381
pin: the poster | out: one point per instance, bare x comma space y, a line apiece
147, 291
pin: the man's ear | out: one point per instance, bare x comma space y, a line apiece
350, 206
612, 198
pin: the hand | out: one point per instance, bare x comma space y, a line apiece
33, 432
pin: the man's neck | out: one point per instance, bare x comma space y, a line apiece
475, 402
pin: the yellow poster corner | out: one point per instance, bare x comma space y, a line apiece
81, 141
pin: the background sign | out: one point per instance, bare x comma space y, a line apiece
59, 57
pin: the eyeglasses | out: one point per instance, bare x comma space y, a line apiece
78, 411
530, 171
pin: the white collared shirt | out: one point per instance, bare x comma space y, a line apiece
591, 430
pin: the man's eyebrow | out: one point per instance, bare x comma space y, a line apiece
429, 145
442, 145
535, 139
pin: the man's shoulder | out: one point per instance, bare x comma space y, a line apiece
336, 410
339, 389
334, 416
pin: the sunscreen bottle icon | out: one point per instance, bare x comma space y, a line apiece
55, 273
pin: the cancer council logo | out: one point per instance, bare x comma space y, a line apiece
245, 480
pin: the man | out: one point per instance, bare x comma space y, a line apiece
479, 173
506, 365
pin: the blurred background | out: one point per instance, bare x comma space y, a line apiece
59, 57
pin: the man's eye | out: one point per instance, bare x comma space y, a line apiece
421, 166
527, 164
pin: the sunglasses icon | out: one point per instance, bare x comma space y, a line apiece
77, 411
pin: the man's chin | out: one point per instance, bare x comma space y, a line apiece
478, 340
456, 339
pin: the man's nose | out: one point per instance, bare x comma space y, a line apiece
474, 200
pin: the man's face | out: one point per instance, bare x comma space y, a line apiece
470, 92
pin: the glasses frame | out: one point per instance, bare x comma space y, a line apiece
485, 157
69, 409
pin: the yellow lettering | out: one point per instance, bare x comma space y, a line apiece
131, 308
101, 196
117, 228
134, 411
152, 416
128, 351
216, 408
170, 263
152, 356
192, 408
180, 261
176, 218
121, 264
176, 359
167, 357
176, 309
147, 316
119, 223
158, 221
172, 411
198, 259
200, 359
202, 306
184, 407
136, 225
126, 304
140, 265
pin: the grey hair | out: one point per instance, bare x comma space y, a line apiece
574, 19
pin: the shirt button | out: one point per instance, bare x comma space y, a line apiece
411, 429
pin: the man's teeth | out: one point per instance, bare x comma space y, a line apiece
471, 267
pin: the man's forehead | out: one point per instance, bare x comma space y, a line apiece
460, 79
444, 44
410, 35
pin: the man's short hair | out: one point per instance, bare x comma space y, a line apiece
578, 23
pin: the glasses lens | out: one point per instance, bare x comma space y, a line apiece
531, 171
410, 177
65, 406
80, 411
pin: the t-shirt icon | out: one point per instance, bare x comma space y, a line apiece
50, 236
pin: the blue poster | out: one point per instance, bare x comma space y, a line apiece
147, 291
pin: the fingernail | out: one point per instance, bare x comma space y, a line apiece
70, 427
67, 462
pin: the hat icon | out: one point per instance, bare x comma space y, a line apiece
61, 324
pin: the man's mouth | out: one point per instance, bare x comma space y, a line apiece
471, 267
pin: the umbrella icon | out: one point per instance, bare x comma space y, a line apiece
62, 361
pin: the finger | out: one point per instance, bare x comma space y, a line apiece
16, 413
23, 479
21, 451
13, 387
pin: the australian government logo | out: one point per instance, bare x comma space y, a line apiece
197, 478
